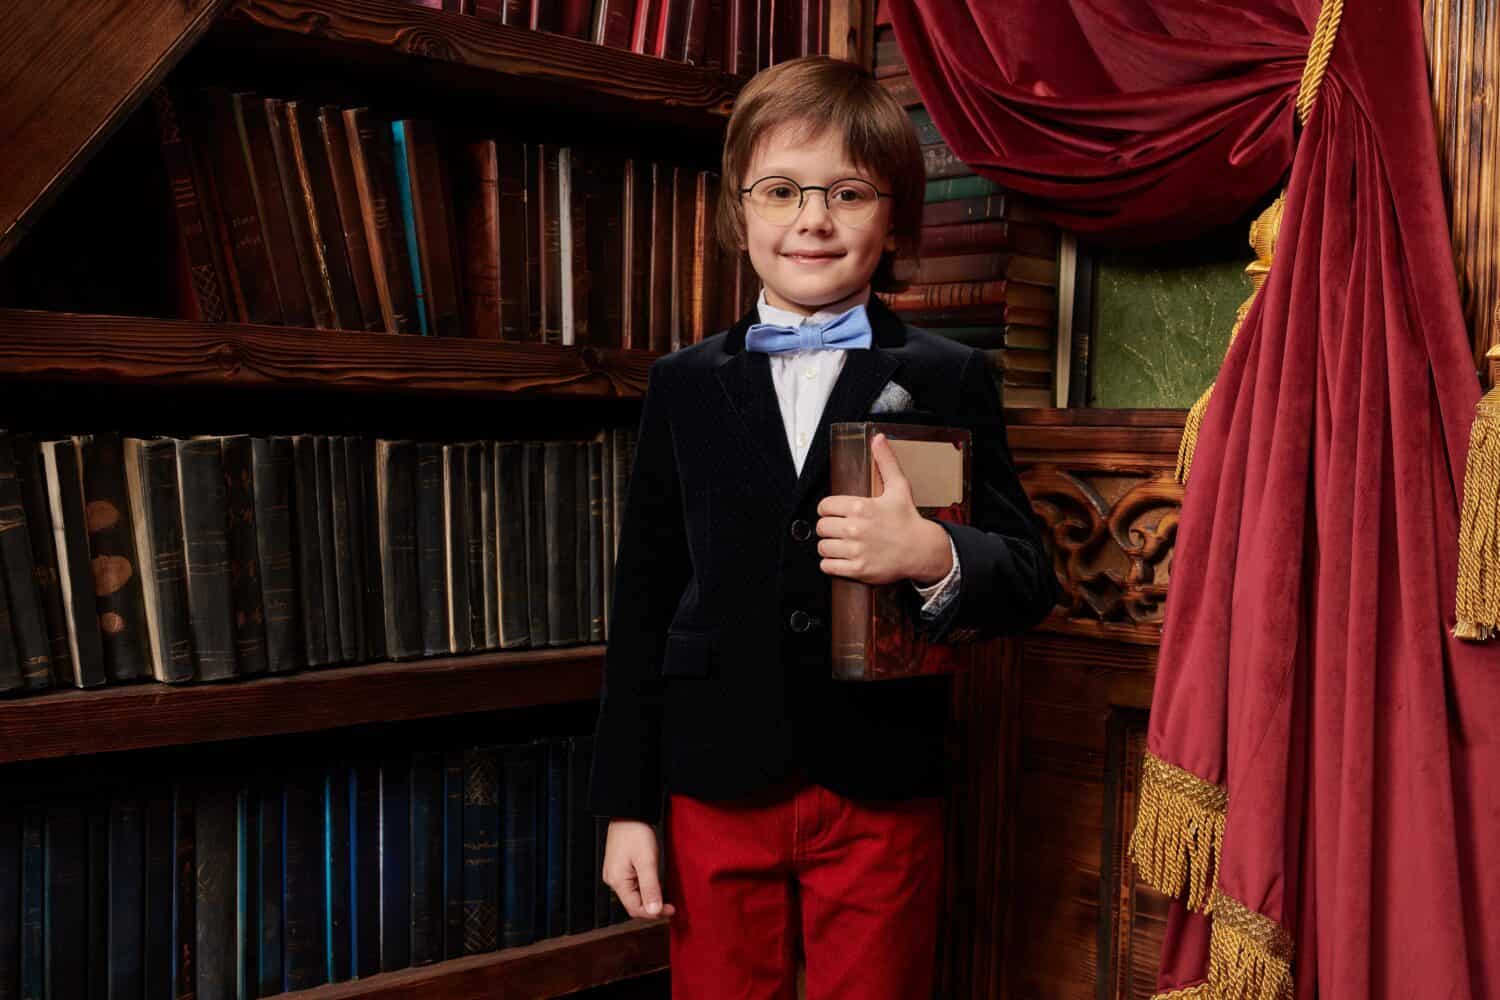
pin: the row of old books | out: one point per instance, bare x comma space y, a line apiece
988, 271
294, 213
254, 881
210, 558
738, 36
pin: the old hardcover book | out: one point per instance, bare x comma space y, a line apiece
510, 536
211, 303
372, 572
483, 599
573, 247
333, 617
10, 658
436, 247
254, 127
358, 513
349, 595
373, 164
272, 470
607, 264
32, 479
244, 556
939, 162
396, 514
635, 230
876, 635
593, 555
335, 141
536, 167
432, 562
151, 479
309, 550
319, 201
684, 214
966, 294
18, 574
987, 267
988, 237
703, 300
661, 282
115, 567
309, 262
205, 534
613, 22
550, 256
535, 505
580, 877
476, 192
581, 576
607, 529
456, 547
481, 851
740, 37
560, 511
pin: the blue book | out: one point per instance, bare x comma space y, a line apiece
33, 907
268, 888
10, 904
159, 887
127, 898
303, 948
453, 854
184, 894
364, 850
519, 774
552, 921
246, 893
481, 851
427, 914
216, 854
337, 871
409, 220
66, 903
582, 876
395, 864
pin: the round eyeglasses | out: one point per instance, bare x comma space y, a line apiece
779, 200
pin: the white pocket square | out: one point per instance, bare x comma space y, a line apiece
892, 399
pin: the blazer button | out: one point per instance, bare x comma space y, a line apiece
801, 621
801, 530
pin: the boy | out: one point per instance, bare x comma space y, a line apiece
799, 809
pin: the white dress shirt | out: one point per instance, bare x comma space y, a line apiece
803, 381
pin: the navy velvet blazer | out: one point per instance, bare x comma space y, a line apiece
717, 674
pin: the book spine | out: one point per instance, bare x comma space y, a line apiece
428, 914
535, 504
245, 571
510, 533
205, 525
849, 475
160, 877
517, 245
272, 470
432, 576
351, 223
365, 850
349, 597
337, 872
607, 530
561, 534
581, 876
436, 245
355, 504
304, 945
551, 257
75, 575
313, 191
309, 550
10, 905
553, 921
476, 183
333, 619
121, 611
453, 854
125, 878
592, 557
481, 851
957, 188
31, 480
184, 897
456, 548
374, 575
20, 602
33, 948
580, 555
489, 554
395, 864
396, 514
216, 854
212, 305
518, 845
151, 477
268, 898
253, 126
374, 182
536, 227
311, 269
66, 904
246, 933
408, 225
474, 541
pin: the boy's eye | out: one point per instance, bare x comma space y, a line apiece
851, 194
782, 192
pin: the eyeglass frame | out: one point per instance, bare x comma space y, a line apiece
802, 190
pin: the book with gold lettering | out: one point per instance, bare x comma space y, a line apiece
876, 635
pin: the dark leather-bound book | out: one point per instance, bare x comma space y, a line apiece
986, 267
205, 534
536, 167
396, 514
272, 471
453, 853
986, 208
335, 142
476, 193
989, 237
304, 928
159, 876
395, 863
432, 204
684, 185
358, 512
349, 590
313, 267
374, 576
515, 244
635, 230
671, 30
244, 556
730, 293
75, 575
715, 33
613, 23
575, 18
67, 917
365, 881
483, 551
581, 566
10, 659
481, 851
126, 896
580, 875
373, 162
121, 613
694, 32
520, 773
156, 513
510, 536
544, 15
535, 503
18, 575
552, 898
339, 839
267, 925
456, 548
551, 257
333, 634
875, 631
593, 556
702, 302
739, 45
309, 550
574, 173
607, 262
621, 455
32, 481
185, 898
607, 529
319, 202
966, 294
642, 34
560, 513
10, 903
427, 809
216, 857
254, 128
663, 203
763, 56
210, 299
432, 563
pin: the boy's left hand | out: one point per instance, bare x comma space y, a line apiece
882, 539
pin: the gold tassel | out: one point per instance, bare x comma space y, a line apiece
1189, 440
1250, 955
1478, 603
1179, 832
1199, 992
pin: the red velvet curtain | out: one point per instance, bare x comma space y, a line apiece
1307, 670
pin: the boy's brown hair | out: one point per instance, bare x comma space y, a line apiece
816, 94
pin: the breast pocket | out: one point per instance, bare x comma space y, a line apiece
688, 654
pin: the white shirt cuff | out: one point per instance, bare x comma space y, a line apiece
937, 596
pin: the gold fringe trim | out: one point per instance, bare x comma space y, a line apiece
1250, 955
1199, 992
1179, 832
1478, 602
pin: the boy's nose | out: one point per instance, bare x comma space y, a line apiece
814, 215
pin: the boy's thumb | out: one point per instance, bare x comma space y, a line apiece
889, 465
646, 877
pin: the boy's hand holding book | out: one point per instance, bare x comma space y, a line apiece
882, 539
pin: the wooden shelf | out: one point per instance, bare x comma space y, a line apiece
137, 716
547, 969
461, 54
127, 349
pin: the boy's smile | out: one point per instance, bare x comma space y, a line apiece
814, 260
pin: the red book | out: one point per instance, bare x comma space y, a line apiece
575, 18
614, 23
961, 294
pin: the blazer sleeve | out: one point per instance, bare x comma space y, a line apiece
652, 569
1007, 584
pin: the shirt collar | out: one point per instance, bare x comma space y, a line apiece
784, 317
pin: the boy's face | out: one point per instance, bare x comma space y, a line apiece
814, 260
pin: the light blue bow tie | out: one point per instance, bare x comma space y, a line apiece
844, 332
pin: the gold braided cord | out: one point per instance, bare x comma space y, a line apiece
1318, 54
1249, 955
1179, 832
1478, 602
1199, 992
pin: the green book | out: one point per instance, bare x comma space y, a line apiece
954, 188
